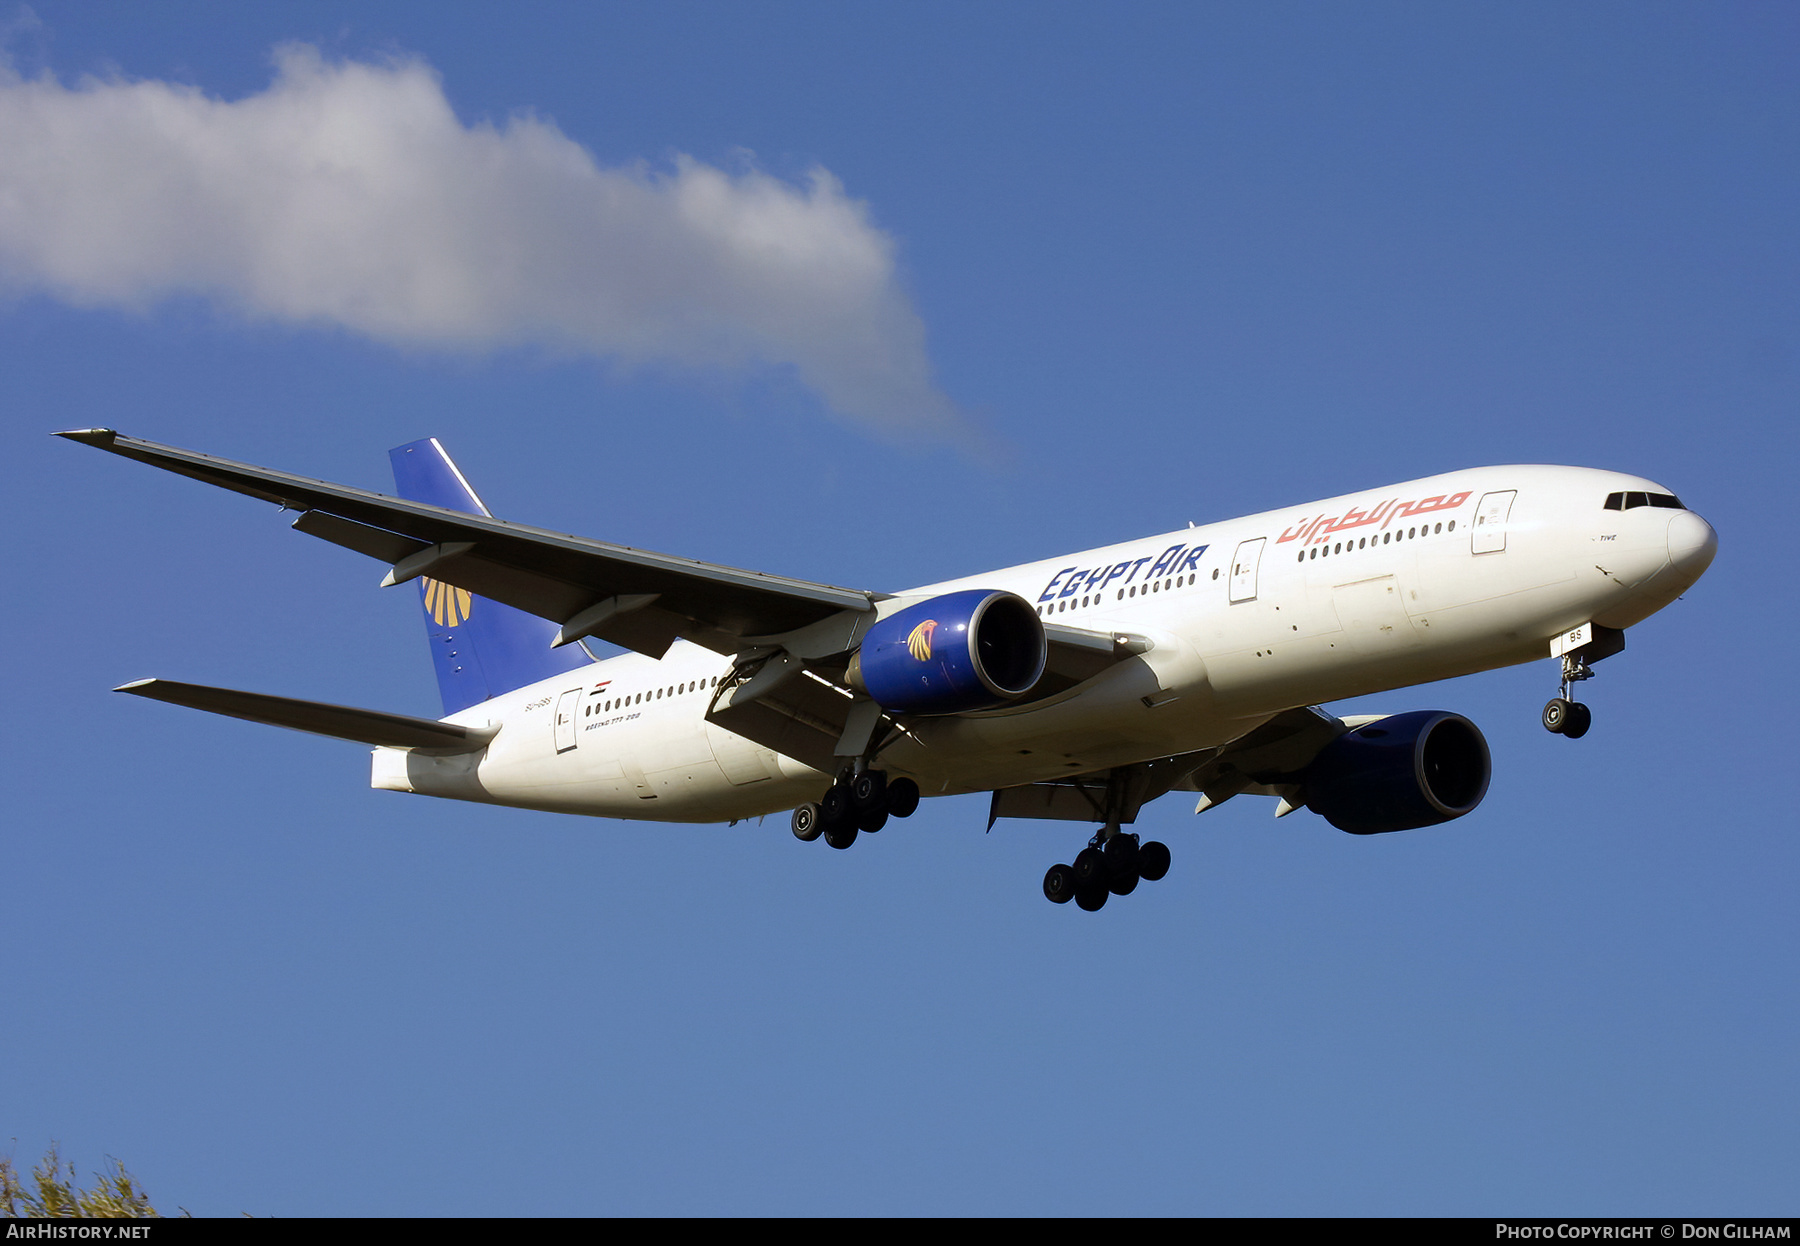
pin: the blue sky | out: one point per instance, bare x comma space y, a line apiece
1113, 271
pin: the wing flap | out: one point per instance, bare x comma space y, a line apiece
341, 722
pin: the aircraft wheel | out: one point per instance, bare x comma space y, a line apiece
1556, 715
869, 823
807, 823
1090, 869
1121, 853
1092, 898
1579, 720
840, 836
868, 790
1153, 861
834, 806
1059, 884
902, 798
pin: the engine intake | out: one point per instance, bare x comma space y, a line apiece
962, 651
1399, 773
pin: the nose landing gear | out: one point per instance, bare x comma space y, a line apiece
1577, 648
1563, 715
855, 803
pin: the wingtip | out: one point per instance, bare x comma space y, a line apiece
89, 436
135, 685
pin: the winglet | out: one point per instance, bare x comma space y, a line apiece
102, 437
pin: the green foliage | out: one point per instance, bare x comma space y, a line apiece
52, 1193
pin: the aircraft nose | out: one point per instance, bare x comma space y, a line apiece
1692, 543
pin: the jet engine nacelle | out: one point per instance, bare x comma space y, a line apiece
962, 651
1398, 773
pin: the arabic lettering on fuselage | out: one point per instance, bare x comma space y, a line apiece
1315, 528
1074, 581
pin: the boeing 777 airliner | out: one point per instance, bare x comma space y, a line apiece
1077, 688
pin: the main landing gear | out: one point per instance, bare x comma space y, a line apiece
1562, 715
856, 802
1110, 865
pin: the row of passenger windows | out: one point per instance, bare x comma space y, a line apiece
1632, 500
1159, 586
1408, 534
638, 698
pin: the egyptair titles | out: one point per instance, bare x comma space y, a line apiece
1074, 581
1316, 528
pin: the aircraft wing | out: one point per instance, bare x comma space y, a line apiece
1263, 762
342, 722
630, 597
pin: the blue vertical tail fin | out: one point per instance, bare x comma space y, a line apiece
480, 648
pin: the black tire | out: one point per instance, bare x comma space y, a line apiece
840, 837
871, 822
1121, 854
807, 822
1093, 899
1556, 715
902, 798
1090, 868
868, 790
1059, 884
1580, 719
835, 805
1153, 861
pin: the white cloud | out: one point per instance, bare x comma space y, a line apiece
350, 194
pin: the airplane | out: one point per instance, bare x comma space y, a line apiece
1077, 688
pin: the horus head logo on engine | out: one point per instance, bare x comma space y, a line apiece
919, 643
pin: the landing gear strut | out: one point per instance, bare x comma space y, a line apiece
1562, 714
855, 803
1112, 864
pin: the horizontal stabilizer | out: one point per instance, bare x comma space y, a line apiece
342, 722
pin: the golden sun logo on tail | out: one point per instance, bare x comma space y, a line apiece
446, 604
919, 643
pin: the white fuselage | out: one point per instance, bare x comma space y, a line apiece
1426, 580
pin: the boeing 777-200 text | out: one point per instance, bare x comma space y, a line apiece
1077, 688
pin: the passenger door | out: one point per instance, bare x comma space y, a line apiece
1489, 535
1243, 569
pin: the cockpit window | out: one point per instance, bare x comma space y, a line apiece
1633, 500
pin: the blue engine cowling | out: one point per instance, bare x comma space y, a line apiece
1402, 772
962, 651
